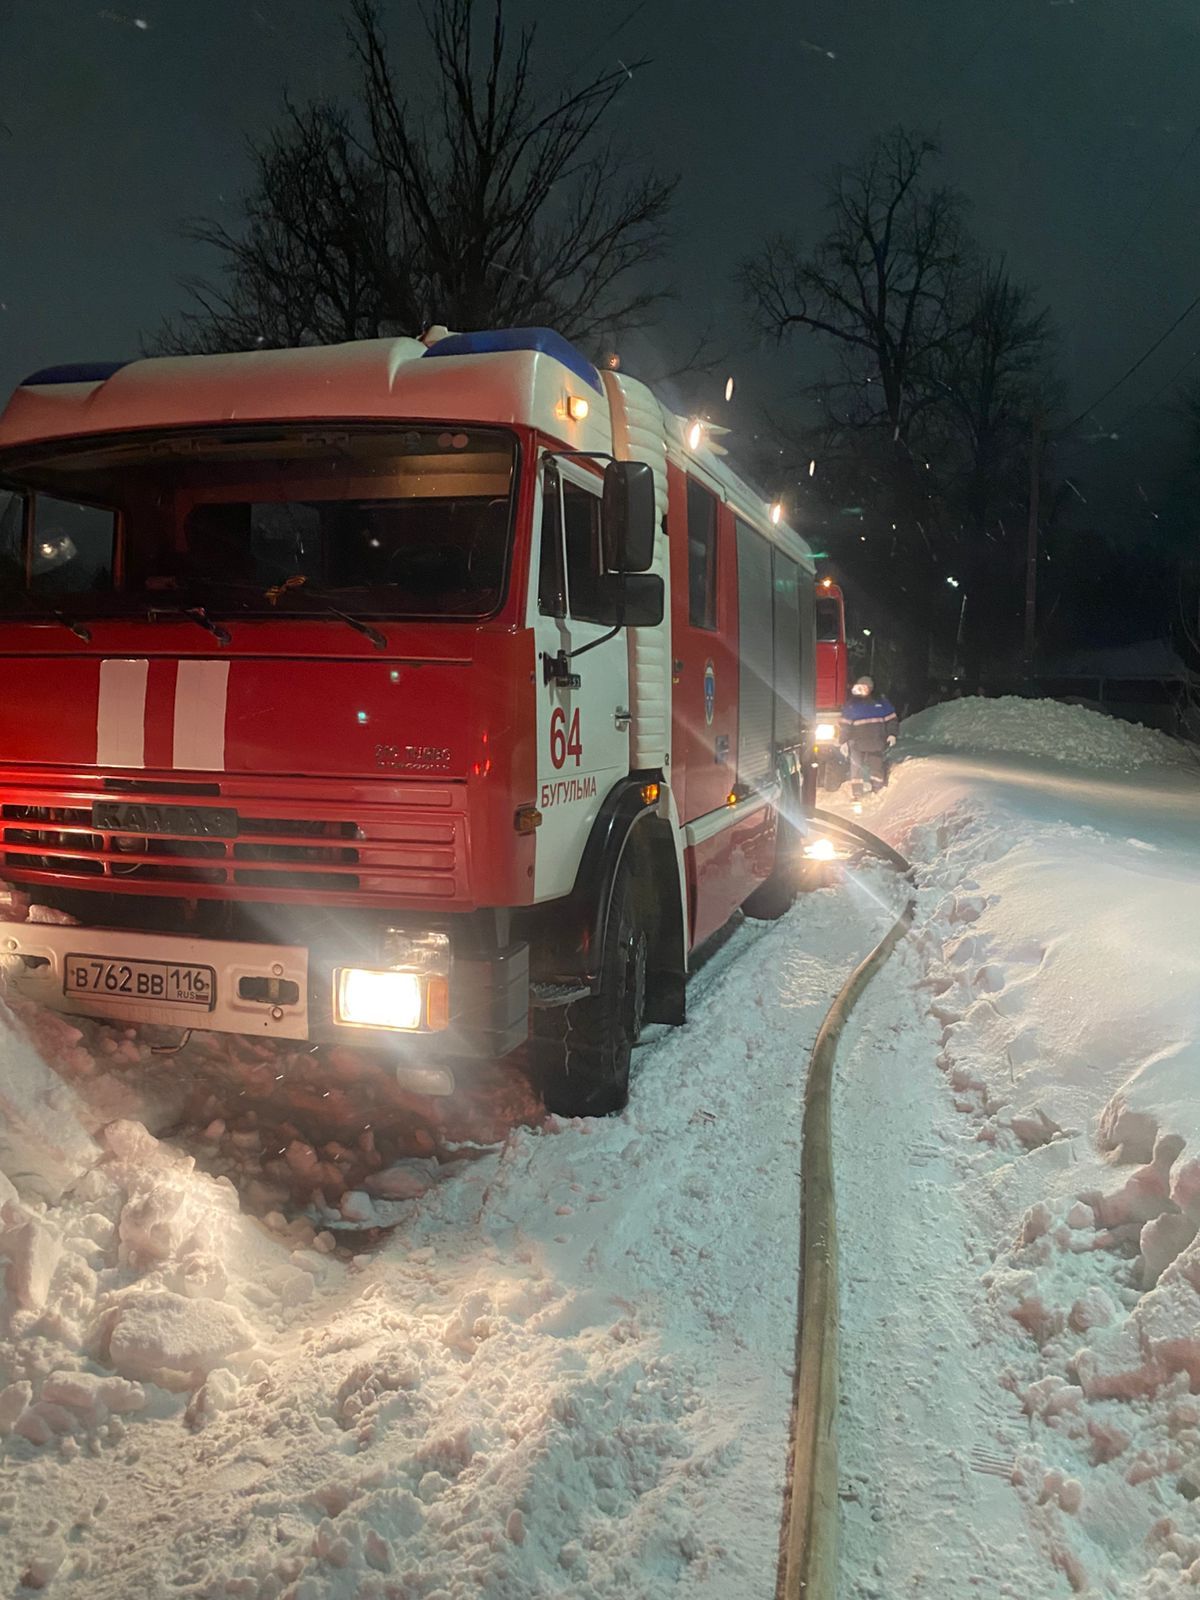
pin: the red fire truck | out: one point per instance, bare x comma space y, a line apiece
831, 680
428, 695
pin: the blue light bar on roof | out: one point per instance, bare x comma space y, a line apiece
544, 340
78, 372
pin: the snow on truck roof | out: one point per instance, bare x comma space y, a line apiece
509, 375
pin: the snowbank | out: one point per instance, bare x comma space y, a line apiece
1057, 927
1040, 728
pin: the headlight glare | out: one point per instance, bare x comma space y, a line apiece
370, 999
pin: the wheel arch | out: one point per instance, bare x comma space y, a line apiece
572, 931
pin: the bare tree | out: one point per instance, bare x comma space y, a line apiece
993, 384
994, 378
879, 286
318, 257
940, 361
505, 205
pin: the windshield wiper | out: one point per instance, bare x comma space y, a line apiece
359, 626
50, 615
199, 616
291, 586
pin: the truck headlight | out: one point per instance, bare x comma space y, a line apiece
826, 733
370, 999
411, 993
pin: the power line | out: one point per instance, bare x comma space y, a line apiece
1139, 363
1146, 404
959, 72
1157, 195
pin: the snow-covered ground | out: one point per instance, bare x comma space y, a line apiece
270, 1329
1031, 1266
566, 1370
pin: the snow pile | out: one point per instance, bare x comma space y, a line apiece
1044, 729
43, 1144
1056, 928
134, 1292
567, 1370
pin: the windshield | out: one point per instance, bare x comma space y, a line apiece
829, 621
399, 523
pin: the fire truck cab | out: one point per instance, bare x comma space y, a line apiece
431, 696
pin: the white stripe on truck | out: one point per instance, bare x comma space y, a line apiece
201, 691
121, 714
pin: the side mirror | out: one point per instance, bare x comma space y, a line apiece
645, 600
629, 520
631, 599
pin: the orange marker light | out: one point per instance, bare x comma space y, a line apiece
437, 1004
527, 819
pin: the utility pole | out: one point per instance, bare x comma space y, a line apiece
1031, 551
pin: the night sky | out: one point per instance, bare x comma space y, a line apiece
1071, 124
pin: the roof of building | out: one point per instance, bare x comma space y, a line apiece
1150, 660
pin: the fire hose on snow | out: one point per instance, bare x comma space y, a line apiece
808, 1566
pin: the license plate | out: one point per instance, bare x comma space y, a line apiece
163, 981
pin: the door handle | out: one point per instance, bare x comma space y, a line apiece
622, 718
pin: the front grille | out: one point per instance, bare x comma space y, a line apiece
410, 850
73, 844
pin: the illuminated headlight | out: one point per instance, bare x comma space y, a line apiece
410, 994
370, 999
820, 850
826, 733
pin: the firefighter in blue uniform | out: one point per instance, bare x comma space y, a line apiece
869, 724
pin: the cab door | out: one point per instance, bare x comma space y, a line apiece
582, 698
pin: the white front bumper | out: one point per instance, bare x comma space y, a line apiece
35, 956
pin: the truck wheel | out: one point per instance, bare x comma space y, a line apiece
773, 898
776, 895
580, 1054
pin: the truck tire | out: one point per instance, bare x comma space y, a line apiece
776, 895
580, 1053
773, 898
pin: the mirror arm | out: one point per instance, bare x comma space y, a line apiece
578, 455
612, 633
